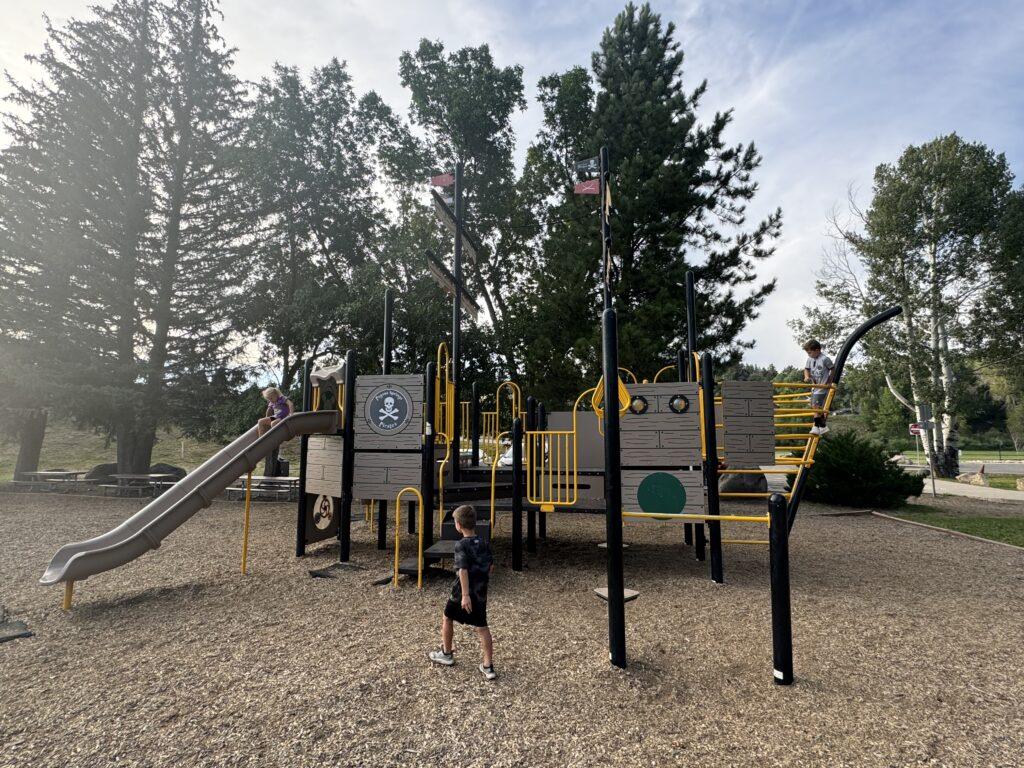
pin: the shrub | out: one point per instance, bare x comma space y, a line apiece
853, 471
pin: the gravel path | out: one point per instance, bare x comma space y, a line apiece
907, 652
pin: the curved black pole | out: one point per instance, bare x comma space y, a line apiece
837, 372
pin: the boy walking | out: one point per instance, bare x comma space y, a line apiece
468, 601
818, 370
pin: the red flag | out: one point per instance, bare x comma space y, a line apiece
444, 180
589, 187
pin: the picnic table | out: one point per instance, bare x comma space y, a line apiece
128, 482
265, 485
54, 479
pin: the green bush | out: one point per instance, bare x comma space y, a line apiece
853, 471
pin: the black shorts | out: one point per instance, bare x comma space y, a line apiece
475, 618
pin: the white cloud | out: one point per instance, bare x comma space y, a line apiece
826, 90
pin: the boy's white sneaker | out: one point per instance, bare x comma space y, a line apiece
488, 672
819, 430
440, 657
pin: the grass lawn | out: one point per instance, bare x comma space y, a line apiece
1006, 482
66, 447
1006, 529
1006, 455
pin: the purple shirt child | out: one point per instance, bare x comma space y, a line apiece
280, 408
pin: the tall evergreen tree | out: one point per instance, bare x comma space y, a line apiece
680, 194
120, 222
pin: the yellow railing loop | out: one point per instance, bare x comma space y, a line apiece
419, 534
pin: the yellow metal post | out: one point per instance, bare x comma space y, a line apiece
69, 590
245, 525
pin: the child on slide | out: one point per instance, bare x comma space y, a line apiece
278, 407
468, 601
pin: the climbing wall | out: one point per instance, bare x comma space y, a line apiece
388, 430
661, 451
323, 465
748, 416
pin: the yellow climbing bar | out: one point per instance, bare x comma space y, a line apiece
245, 523
419, 534
710, 518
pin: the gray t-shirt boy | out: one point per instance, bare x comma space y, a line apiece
820, 368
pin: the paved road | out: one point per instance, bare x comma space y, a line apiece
994, 467
991, 467
953, 488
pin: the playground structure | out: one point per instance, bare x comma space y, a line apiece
628, 449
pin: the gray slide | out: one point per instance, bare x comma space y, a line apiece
149, 526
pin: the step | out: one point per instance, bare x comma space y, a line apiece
407, 566
628, 595
441, 548
483, 528
474, 491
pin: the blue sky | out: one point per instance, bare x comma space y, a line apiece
827, 90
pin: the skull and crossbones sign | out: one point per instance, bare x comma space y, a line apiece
389, 411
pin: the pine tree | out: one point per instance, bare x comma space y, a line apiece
120, 216
680, 194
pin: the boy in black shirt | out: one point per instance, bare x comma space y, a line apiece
468, 601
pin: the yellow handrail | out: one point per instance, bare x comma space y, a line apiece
632, 375
440, 484
491, 420
547, 459
245, 524
661, 371
494, 479
419, 533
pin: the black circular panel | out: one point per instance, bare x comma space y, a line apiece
638, 404
679, 404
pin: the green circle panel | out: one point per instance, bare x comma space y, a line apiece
662, 494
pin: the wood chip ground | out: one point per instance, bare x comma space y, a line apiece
908, 651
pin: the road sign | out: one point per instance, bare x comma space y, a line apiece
915, 429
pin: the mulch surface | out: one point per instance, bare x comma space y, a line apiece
907, 651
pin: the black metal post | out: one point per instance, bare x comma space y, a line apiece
691, 326
348, 457
517, 494
682, 374
382, 504
300, 524
531, 512
542, 517
782, 618
475, 431
457, 330
613, 493
429, 464
707, 383
606, 229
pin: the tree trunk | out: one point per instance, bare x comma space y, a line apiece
31, 435
927, 437
950, 428
134, 226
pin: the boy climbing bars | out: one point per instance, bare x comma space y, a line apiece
468, 601
818, 370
